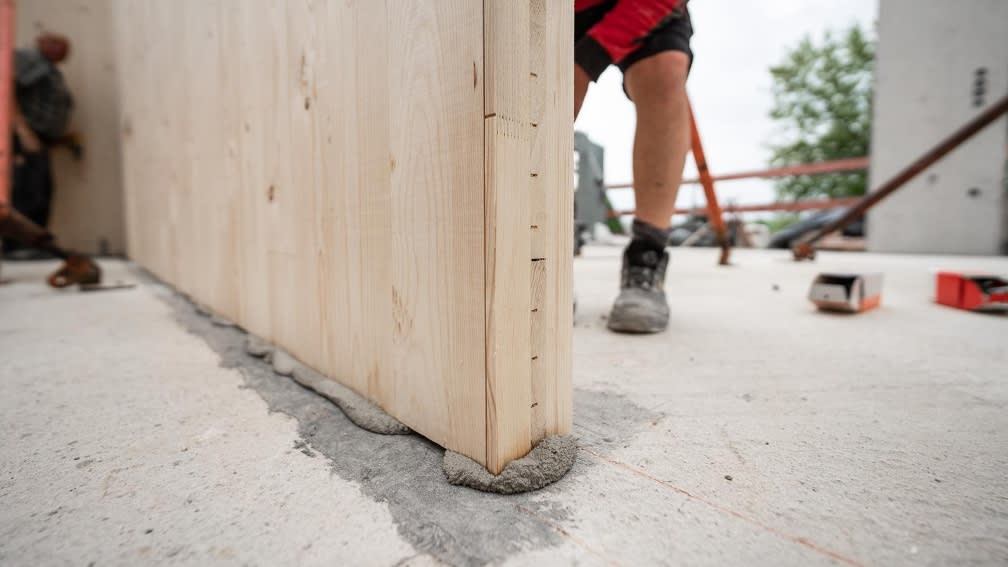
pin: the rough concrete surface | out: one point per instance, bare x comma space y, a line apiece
134, 431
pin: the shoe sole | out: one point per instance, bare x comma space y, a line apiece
637, 324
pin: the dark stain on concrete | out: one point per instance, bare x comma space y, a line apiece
457, 525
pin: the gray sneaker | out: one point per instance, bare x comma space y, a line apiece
641, 306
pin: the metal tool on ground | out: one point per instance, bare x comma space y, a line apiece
107, 286
850, 293
805, 250
972, 291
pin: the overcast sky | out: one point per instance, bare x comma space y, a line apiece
735, 42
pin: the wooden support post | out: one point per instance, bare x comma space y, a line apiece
552, 204
386, 194
508, 237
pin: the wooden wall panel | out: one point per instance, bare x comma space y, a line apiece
508, 239
551, 111
436, 91
87, 212
529, 116
261, 61
340, 179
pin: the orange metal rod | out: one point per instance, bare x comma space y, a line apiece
6, 99
805, 250
714, 214
834, 166
805, 205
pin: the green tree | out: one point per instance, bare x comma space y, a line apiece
822, 102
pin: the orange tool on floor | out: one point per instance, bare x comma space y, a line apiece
972, 291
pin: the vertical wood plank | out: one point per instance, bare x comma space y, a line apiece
551, 198
300, 287
125, 18
508, 239
372, 212
348, 283
257, 55
216, 212
436, 96
561, 93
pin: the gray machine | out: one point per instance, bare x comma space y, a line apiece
590, 202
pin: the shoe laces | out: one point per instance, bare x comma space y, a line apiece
643, 275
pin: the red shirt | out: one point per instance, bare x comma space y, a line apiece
621, 29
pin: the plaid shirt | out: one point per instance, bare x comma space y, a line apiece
42, 95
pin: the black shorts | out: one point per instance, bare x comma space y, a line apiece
672, 35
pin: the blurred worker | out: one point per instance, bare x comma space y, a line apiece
42, 105
649, 40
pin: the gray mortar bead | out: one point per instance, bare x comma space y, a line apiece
221, 321
357, 408
545, 464
283, 363
257, 347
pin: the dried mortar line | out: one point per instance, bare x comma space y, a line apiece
549, 461
796, 539
403, 471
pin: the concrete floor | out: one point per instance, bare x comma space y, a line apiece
754, 431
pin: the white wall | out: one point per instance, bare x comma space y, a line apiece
928, 55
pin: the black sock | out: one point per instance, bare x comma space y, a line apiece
648, 244
647, 234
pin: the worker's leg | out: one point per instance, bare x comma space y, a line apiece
21, 229
654, 78
581, 82
657, 86
31, 195
45, 187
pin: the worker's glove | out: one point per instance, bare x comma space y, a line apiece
72, 142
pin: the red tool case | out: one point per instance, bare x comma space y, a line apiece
971, 291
